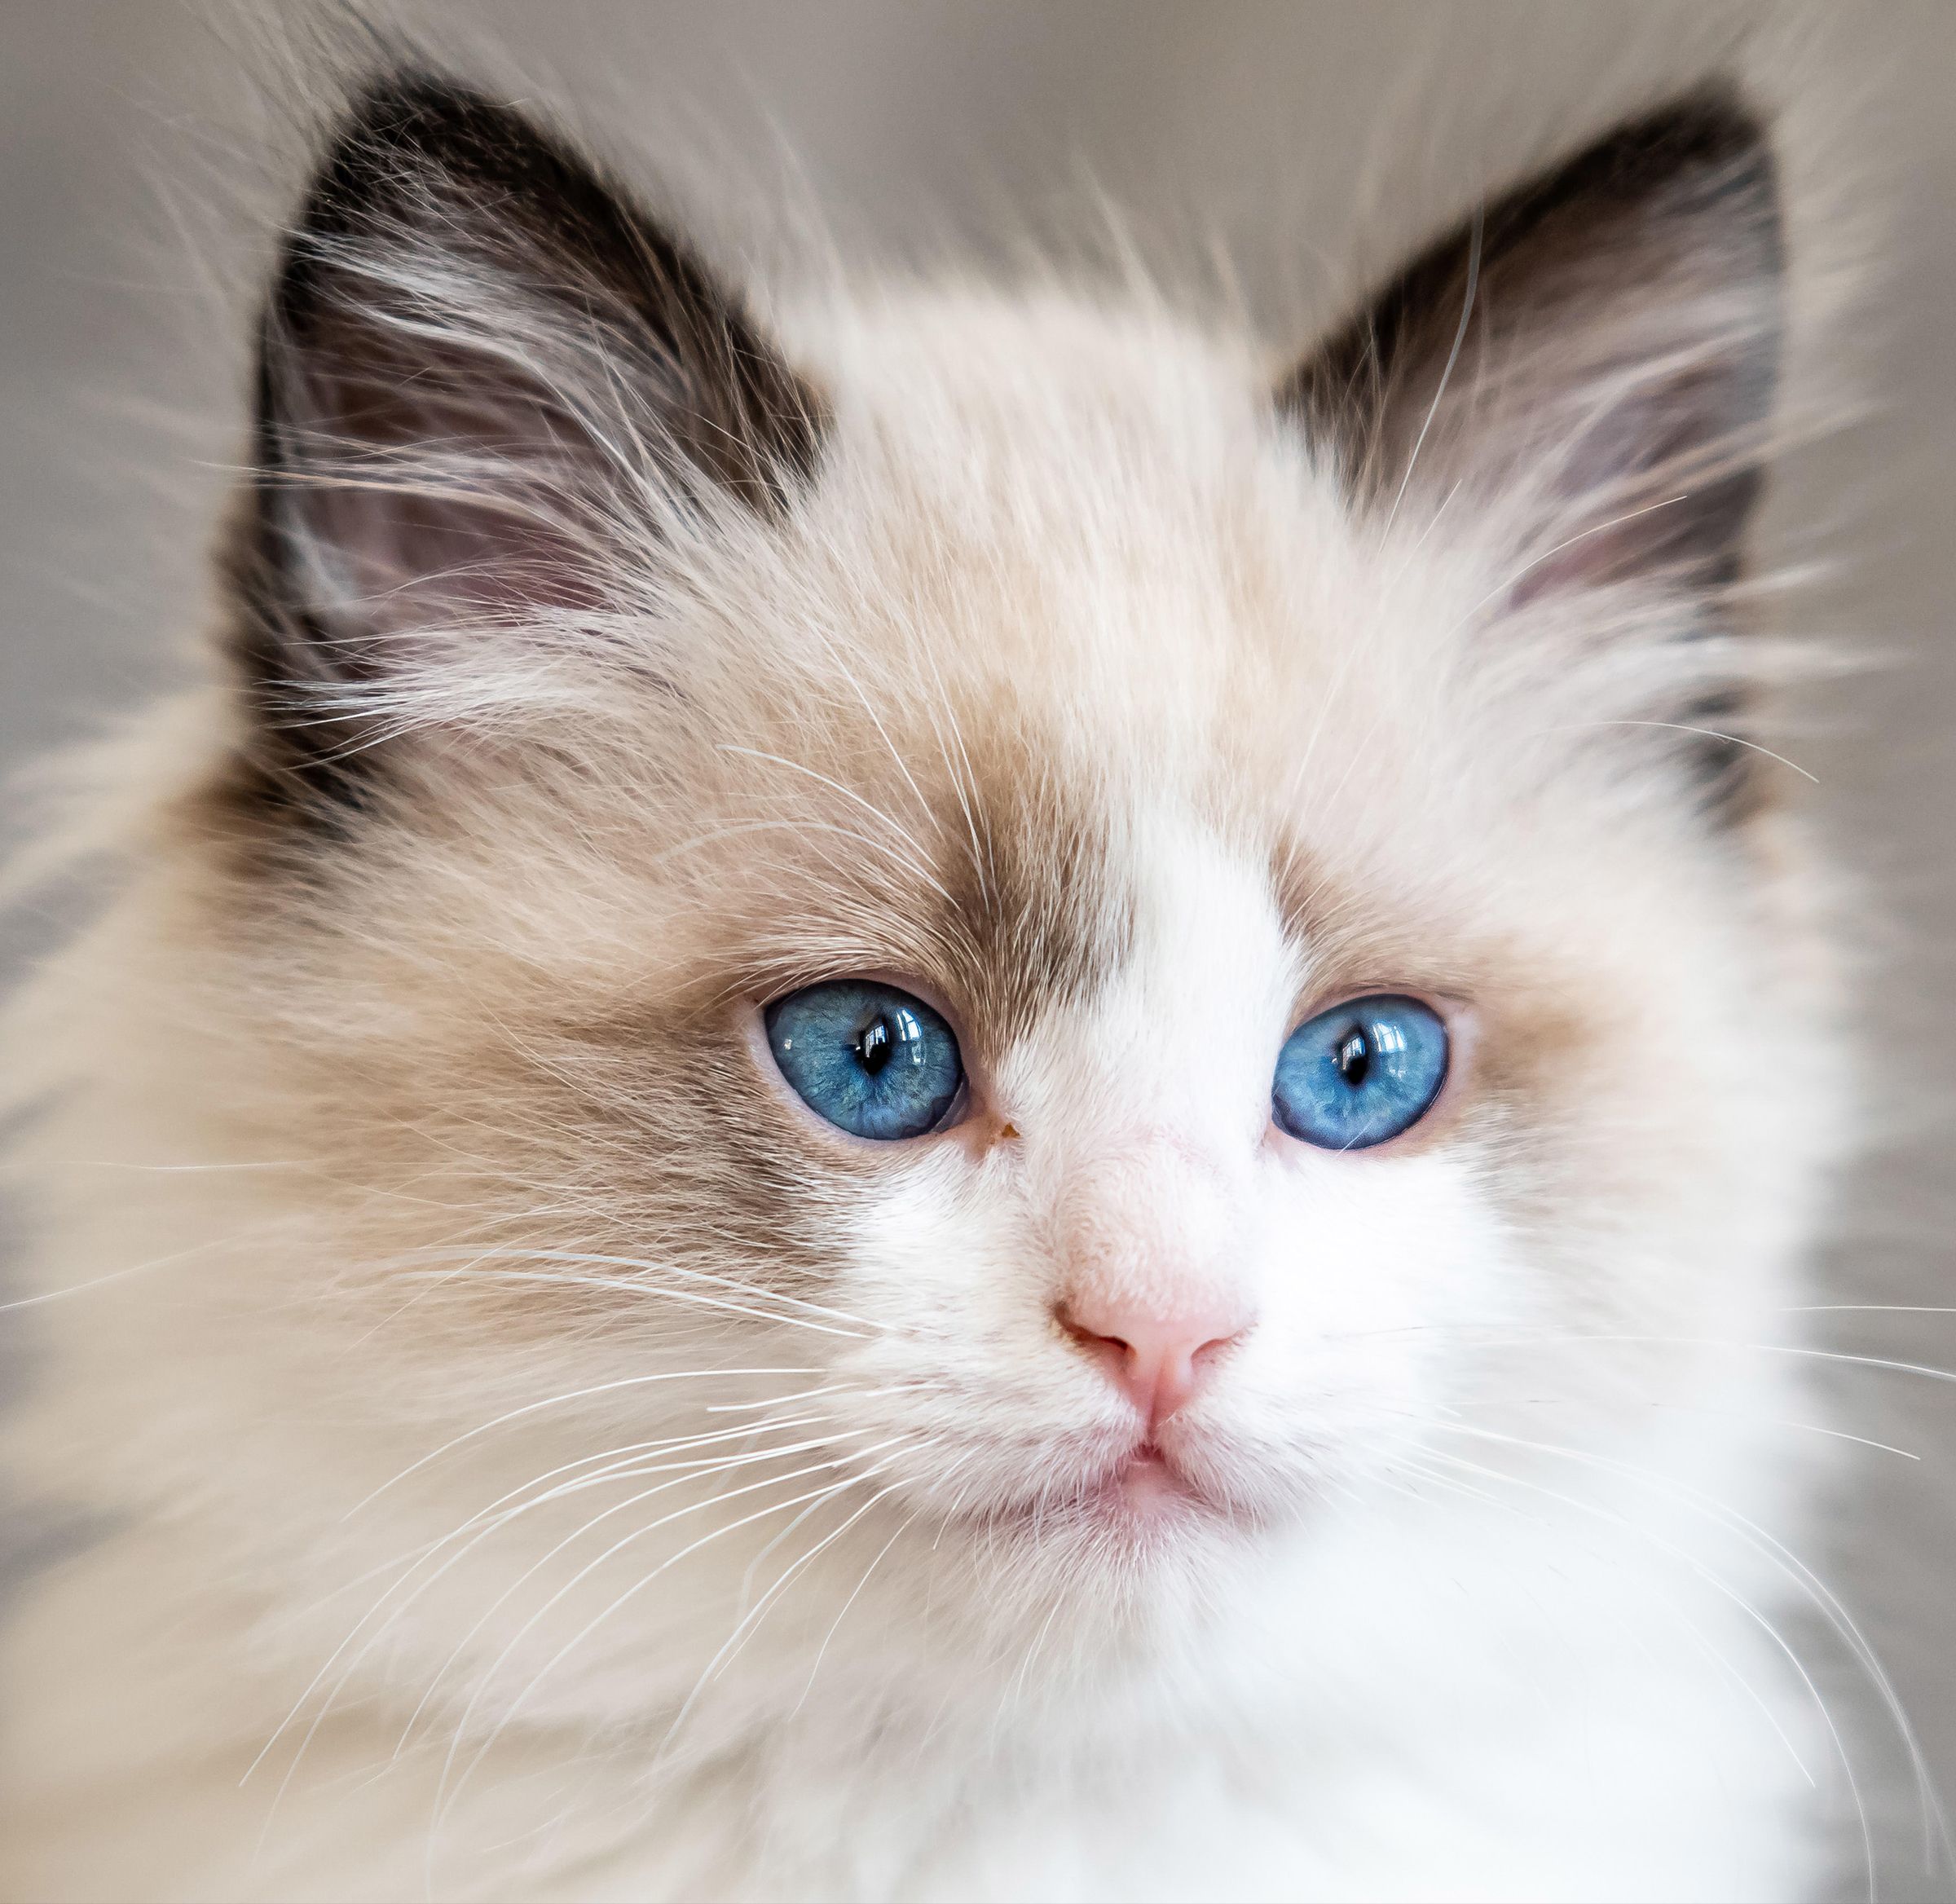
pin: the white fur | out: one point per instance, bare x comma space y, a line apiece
1492, 1611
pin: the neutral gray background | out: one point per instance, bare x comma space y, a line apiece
133, 142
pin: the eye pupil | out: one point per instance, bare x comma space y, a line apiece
1354, 1058
876, 1047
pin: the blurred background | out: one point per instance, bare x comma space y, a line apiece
1279, 148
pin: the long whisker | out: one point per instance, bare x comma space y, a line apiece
1737, 740
822, 1652
1718, 1657
1751, 1415
443, 1800
1491, 1336
143, 1268
750, 1621
1724, 1587
1866, 1309
1763, 1540
694, 1471
530, 1254
686, 1471
692, 1298
558, 1400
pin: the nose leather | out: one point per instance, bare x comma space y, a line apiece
1156, 1354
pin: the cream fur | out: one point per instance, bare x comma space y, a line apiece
388, 1202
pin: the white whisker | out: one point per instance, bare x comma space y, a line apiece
443, 1798
558, 1400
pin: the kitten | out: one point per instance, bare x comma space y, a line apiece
954, 1098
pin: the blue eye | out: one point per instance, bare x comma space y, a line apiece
1360, 1073
867, 1057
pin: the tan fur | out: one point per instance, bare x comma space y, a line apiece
318, 1131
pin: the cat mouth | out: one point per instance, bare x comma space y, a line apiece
1148, 1481
1146, 1488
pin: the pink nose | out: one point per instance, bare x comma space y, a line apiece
1158, 1361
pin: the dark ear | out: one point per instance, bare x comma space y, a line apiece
483, 372
1592, 355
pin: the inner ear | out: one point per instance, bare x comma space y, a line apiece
1592, 356
489, 383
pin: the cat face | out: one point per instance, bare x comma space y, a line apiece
1293, 833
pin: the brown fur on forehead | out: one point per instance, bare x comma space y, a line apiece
1000, 883
1044, 910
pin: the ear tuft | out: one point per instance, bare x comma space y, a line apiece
1600, 338
1586, 368
487, 377
419, 160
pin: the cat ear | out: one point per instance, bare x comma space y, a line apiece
483, 370
1592, 358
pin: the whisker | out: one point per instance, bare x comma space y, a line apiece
687, 1470
1722, 1586
1737, 740
750, 1621
1725, 1664
822, 1652
527, 1253
691, 1297
1489, 1336
1765, 1542
1867, 1309
444, 1800
1750, 1414
556, 1401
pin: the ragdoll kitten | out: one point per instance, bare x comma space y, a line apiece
961, 1097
